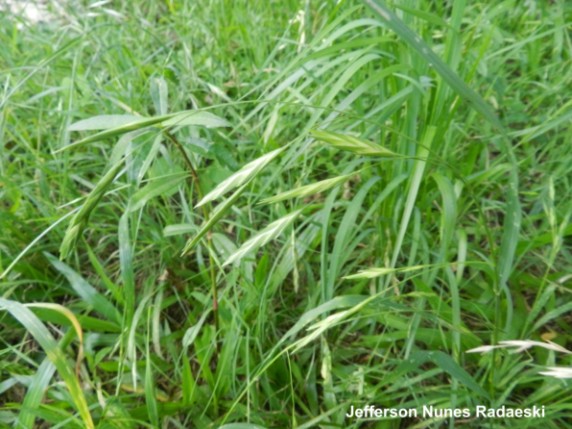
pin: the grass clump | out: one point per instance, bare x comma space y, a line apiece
216, 215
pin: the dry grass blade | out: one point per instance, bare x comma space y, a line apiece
558, 372
520, 346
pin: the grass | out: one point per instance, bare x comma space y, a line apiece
215, 215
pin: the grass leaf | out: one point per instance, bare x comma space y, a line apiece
86, 291
35, 394
404, 32
115, 131
105, 122
371, 273
447, 364
241, 426
43, 336
200, 118
120, 124
159, 186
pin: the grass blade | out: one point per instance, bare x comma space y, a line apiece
413, 40
241, 426
447, 364
159, 186
86, 291
131, 123
193, 117
372, 273
43, 336
106, 122
34, 395
112, 132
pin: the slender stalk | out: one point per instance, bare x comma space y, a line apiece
206, 213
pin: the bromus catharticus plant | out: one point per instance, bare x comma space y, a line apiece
129, 128
356, 216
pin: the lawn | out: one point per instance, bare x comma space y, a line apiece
270, 214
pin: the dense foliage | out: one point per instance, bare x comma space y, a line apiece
265, 212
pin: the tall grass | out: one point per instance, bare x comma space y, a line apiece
216, 215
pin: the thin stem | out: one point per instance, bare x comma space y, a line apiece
206, 213
187, 160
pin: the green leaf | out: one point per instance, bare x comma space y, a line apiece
159, 186
178, 229
126, 268
447, 364
35, 394
449, 216
140, 122
427, 16
309, 316
414, 185
370, 273
106, 122
194, 330
196, 117
150, 393
403, 31
159, 91
127, 123
43, 336
509, 241
86, 291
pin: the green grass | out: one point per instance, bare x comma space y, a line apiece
255, 215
